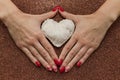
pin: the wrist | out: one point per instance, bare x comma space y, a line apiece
101, 18
110, 15
110, 10
105, 17
7, 8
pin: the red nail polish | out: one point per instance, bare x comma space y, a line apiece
79, 64
60, 62
56, 62
58, 7
62, 69
61, 9
38, 63
55, 8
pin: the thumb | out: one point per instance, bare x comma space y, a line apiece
48, 15
68, 15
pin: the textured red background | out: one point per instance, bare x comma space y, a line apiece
104, 64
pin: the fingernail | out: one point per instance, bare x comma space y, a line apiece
62, 69
58, 7
67, 69
49, 68
79, 64
60, 62
56, 62
61, 9
55, 68
55, 8
37, 63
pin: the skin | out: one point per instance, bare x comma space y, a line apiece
89, 33
25, 30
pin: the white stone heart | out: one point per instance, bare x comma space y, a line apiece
58, 33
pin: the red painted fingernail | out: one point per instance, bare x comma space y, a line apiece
79, 64
38, 63
62, 69
61, 9
56, 62
55, 8
58, 7
60, 62
49, 68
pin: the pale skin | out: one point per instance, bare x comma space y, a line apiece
25, 31
89, 33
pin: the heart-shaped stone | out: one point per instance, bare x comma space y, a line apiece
58, 33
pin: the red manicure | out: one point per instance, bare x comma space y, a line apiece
61, 9
58, 62
58, 7
38, 63
62, 69
79, 64
55, 8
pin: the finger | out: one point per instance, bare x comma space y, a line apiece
48, 15
84, 58
72, 53
68, 15
45, 55
76, 58
66, 49
31, 57
49, 49
39, 57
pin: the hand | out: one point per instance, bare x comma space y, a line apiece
25, 31
90, 31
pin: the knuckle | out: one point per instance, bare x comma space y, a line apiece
79, 54
20, 44
74, 37
65, 63
85, 42
94, 45
72, 52
30, 40
67, 48
36, 54
82, 43
37, 34
52, 63
44, 53
48, 48
70, 56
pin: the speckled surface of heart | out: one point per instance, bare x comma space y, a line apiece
58, 32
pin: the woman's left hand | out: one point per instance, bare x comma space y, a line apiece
90, 31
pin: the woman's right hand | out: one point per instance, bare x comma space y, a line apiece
25, 31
